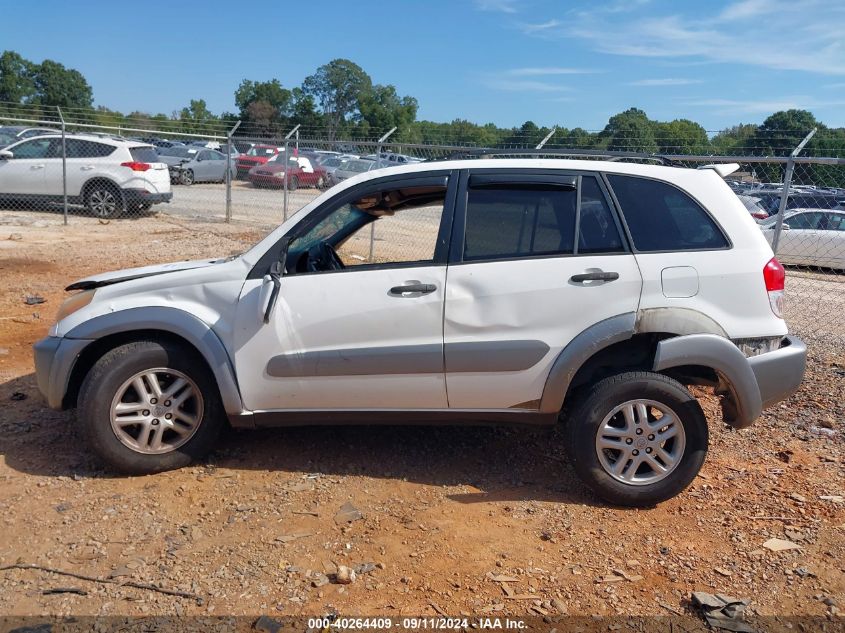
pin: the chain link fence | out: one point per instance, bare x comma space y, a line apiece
215, 173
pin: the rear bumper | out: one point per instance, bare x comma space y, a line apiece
748, 384
779, 373
136, 196
54, 361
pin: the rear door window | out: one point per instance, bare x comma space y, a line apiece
661, 217
87, 149
515, 220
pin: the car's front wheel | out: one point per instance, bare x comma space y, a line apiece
186, 177
150, 406
637, 438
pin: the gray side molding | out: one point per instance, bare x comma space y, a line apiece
594, 339
178, 322
721, 355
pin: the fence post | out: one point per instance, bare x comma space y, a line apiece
229, 171
295, 130
787, 182
64, 165
546, 140
383, 138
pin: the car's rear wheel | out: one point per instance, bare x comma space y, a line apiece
637, 438
186, 177
321, 183
293, 183
150, 406
104, 200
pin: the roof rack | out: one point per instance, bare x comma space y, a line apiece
474, 152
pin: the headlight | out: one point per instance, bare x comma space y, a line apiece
279, 174
74, 303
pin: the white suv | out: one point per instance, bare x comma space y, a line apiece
108, 175
521, 291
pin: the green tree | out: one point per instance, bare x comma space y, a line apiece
56, 85
734, 140
16, 78
783, 131
336, 88
381, 108
681, 136
197, 118
265, 106
631, 131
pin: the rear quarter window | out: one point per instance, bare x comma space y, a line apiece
661, 217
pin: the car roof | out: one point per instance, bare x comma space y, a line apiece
114, 140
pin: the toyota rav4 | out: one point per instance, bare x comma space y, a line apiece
523, 291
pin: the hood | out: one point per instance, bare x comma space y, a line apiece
128, 274
174, 160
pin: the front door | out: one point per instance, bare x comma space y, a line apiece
24, 174
358, 323
536, 259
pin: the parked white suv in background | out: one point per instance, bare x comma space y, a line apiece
521, 291
108, 175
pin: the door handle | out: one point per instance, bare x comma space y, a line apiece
594, 276
420, 288
87, 167
37, 167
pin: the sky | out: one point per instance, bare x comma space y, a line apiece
567, 62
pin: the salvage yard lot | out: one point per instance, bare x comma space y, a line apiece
447, 513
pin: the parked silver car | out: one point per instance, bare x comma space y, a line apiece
195, 164
810, 237
349, 168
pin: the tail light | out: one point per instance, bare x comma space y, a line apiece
775, 277
760, 215
136, 166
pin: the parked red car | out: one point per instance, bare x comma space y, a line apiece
256, 155
302, 170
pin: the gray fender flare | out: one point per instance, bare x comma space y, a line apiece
721, 355
183, 324
594, 339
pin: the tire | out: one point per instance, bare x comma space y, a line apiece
186, 177
593, 428
293, 185
104, 200
321, 183
132, 448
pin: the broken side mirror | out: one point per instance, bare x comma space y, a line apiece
6, 154
273, 281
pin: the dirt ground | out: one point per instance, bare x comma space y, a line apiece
454, 520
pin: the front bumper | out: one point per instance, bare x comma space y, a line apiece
55, 358
137, 196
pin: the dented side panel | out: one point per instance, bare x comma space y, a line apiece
505, 300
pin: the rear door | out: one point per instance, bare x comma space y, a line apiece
528, 253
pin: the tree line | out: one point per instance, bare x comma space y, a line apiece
341, 101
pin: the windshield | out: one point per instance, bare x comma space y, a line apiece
181, 152
357, 166
331, 162
6, 137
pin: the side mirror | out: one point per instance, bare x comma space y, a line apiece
785, 227
6, 154
274, 277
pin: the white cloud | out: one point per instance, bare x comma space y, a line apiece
509, 84
542, 71
664, 82
800, 35
500, 6
532, 29
762, 106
